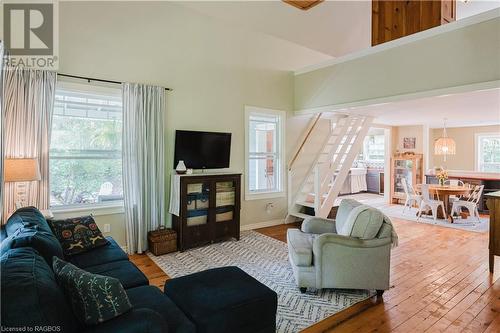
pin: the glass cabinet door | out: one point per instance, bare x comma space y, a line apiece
403, 170
224, 200
198, 195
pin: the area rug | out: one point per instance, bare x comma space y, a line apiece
266, 259
469, 224
410, 214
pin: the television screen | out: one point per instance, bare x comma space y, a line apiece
202, 150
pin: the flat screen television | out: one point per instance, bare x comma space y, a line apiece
202, 150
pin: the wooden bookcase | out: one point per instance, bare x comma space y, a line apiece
405, 166
209, 209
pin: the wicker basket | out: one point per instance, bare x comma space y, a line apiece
162, 241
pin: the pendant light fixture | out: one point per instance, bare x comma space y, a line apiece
445, 145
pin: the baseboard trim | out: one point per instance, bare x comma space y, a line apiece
264, 224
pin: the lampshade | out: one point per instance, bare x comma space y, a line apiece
21, 170
445, 146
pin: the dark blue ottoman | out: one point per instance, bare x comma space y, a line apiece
225, 300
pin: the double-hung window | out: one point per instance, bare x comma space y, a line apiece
488, 152
85, 149
264, 152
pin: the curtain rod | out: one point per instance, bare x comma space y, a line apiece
94, 79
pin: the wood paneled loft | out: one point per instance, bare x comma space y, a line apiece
396, 19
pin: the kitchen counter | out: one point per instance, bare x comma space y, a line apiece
459, 174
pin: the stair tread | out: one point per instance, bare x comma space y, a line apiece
305, 203
301, 215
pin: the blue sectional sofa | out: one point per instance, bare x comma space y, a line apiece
220, 300
31, 297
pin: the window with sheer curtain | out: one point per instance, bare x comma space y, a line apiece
85, 151
488, 152
264, 149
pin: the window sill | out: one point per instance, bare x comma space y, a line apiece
94, 209
264, 195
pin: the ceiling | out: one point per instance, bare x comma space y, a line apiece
475, 108
474, 7
335, 28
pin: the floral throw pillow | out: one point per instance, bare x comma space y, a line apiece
78, 234
94, 298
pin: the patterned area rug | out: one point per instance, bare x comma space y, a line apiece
266, 259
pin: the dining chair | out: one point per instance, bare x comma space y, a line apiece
427, 202
454, 182
411, 195
471, 204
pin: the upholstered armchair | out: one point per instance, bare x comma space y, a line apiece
351, 252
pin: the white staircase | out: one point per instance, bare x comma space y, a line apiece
322, 162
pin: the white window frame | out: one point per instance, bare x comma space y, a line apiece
96, 209
477, 150
365, 149
280, 138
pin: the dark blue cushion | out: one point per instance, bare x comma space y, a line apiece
125, 271
26, 217
134, 321
224, 300
94, 298
30, 295
6, 244
44, 242
77, 234
100, 255
28, 228
152, 298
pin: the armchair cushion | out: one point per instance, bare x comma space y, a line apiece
300, 247
367, 224
318, 225
385, 231
345, 208
357, 220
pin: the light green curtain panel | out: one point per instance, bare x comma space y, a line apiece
27, 104
144, 111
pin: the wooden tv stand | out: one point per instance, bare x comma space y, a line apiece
209, 209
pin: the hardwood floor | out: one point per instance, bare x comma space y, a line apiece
439, 283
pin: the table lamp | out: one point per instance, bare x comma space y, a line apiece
21, 171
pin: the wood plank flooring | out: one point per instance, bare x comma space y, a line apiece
439, 283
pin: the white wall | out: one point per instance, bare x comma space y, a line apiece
214, 68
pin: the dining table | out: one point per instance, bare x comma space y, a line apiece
443, 193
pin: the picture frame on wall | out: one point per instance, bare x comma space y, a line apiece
409, 143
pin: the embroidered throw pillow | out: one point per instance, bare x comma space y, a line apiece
78, 234
94, 298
